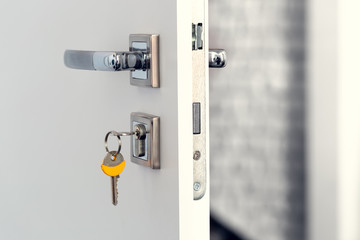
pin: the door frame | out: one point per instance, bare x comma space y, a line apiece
333, 120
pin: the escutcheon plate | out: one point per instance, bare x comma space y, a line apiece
152, 141
147, 43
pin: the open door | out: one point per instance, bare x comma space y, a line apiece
54, 120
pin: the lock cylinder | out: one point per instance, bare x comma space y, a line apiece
140, 144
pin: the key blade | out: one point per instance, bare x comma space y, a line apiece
114, 190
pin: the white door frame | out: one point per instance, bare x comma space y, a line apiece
333, 120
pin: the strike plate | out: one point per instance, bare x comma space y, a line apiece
151, 156
147, 43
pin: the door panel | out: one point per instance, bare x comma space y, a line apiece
54, 120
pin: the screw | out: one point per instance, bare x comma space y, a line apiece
197, 186
196, 155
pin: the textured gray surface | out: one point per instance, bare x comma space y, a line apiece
257, 118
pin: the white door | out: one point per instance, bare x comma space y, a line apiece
54, 119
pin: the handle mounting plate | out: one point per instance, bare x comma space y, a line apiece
147, 43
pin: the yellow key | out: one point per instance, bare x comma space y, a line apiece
112, 166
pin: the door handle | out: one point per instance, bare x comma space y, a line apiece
120, 61
217, 58
106, 61
142, 60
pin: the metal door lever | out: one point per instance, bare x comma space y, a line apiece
106, 61
142, 60
217, 58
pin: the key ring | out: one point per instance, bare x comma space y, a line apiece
123, 133
116, 134
137, 132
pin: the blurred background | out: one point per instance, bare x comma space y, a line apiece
259, 124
